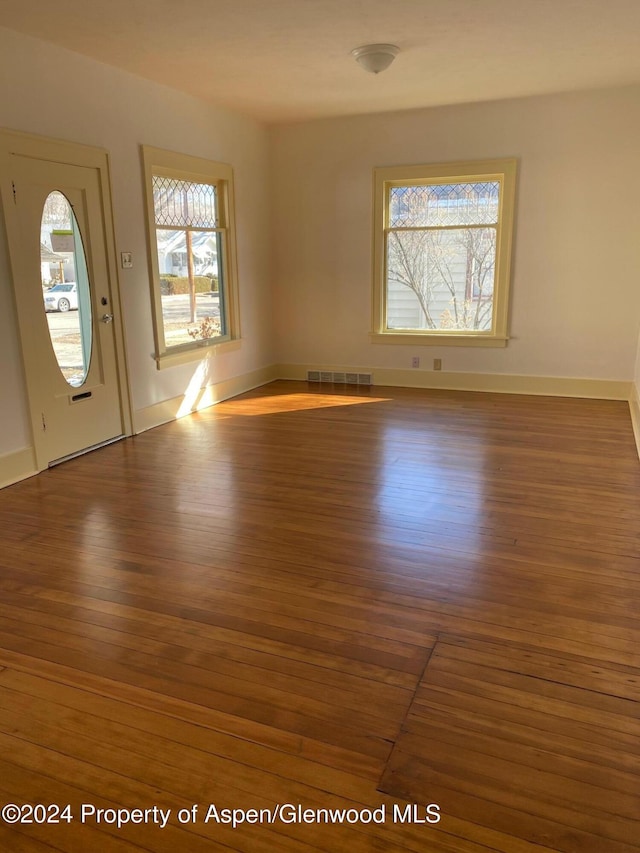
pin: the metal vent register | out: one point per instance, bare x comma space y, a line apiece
339, 378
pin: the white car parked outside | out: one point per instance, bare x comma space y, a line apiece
61, 297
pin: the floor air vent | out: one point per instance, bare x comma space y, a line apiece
339, 378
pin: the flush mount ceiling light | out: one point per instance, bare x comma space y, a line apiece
375, 57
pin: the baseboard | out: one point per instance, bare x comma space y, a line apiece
17, 466
503, 383
21, 464
634, 408
199, 398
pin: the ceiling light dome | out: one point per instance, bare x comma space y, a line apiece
375, 57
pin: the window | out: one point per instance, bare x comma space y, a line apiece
442, 253
192, 254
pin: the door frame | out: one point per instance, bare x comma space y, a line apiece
73, 154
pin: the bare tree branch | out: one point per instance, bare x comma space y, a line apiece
429, 263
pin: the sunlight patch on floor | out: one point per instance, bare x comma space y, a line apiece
293, 403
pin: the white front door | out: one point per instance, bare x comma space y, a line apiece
66, 300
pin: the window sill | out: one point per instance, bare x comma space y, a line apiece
194, 353
444, 340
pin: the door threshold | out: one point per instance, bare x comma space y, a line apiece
69, 456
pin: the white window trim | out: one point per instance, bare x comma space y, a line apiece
505, 172
172, 164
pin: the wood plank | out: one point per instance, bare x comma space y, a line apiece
486, 714
240, 605
571, 670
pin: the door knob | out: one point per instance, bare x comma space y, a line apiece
107, 318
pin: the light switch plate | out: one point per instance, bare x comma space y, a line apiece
126, 259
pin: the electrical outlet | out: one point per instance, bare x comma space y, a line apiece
415, 361
437, 364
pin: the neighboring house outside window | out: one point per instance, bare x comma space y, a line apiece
192, 254
442, 253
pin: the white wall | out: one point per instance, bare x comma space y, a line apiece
576, 300
634, 402
56, 93
575, 294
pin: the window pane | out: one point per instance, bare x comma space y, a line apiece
67, 300
444, 204
441, 279
192, 308
184, 204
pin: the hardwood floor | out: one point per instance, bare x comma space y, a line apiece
329, 598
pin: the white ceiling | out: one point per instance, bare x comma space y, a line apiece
287, 60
